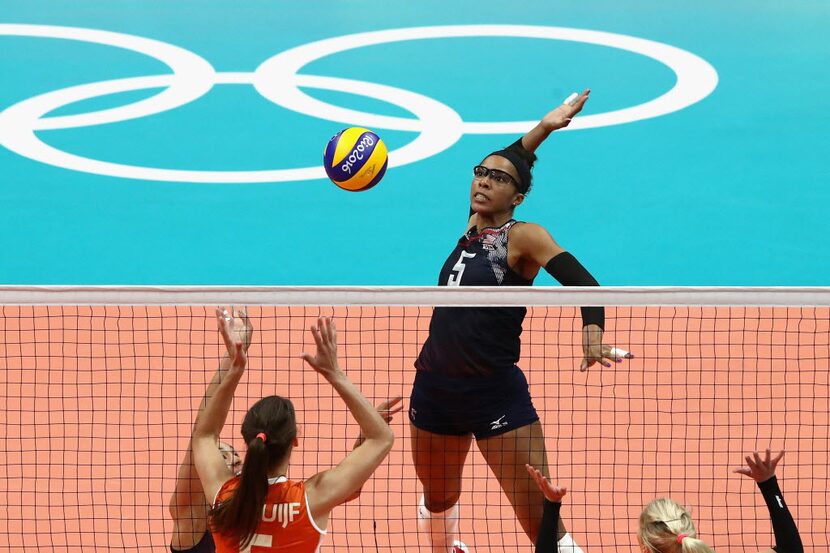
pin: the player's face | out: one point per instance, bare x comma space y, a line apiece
231, 457
496, 191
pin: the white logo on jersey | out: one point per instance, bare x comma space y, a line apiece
281, 512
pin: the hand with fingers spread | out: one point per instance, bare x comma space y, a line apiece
236, 331
551, 491
759, 469
562, 115
241, 330
325, 361
387, 410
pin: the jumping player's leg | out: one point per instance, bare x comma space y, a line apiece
439, 463
506, 455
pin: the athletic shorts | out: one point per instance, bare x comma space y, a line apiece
205, 545
482, 406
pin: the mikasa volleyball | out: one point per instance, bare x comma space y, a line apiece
355, 159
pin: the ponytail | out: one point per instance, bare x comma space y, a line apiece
240, 515
694, 545
666, 527
269, 429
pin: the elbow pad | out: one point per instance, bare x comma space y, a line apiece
569, 272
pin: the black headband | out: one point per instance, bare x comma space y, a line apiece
522, 160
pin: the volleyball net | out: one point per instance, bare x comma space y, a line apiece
99, 389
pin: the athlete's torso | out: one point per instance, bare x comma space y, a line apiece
475, 341
286, 523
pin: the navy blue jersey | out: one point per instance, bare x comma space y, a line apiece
475, 341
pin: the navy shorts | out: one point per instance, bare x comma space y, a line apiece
205, 545
482, 406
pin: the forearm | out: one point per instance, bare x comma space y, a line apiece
534, 138
372, 425
218, 377
212, 418
548, 531
787, 539
188, 489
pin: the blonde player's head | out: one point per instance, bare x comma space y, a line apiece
666, 527
270, 430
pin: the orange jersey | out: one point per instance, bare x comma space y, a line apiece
286, 523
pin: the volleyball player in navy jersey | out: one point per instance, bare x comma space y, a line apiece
667, 527
467, 383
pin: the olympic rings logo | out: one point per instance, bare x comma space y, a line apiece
277, 79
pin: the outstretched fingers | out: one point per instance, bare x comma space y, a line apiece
776, 459
389, 408
551, 491
325, 337
223, 320
758, 468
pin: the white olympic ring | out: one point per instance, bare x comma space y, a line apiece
438, 125
696, 79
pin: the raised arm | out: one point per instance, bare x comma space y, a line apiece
787, 538
208, 460
387, 409
188, 506
558, 118
332, 487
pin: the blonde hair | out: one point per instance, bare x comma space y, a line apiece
662, 522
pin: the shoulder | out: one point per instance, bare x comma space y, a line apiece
529, 233
533, 242
295, 485
226, 490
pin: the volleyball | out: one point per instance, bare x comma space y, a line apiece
355, 159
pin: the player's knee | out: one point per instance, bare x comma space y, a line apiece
439, 504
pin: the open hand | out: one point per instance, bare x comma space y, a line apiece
325, 336
236, 331
759, 469
551, 491
387, 410
561, 116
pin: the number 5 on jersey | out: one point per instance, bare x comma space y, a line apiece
458, 269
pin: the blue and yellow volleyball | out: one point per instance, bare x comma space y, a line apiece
355, 159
